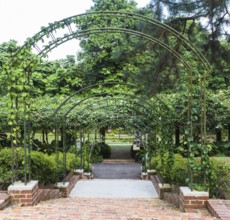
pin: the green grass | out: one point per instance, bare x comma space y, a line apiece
51, 136
223, 159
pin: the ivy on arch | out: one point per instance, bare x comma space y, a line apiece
48, 38
127, 109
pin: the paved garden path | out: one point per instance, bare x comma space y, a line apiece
114, 170
120, 153
114, 189
119, 166
113, 199
102, 209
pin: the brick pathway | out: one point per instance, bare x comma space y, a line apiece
100, 209
220, 208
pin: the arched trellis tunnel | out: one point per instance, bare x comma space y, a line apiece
103, 110
126, 23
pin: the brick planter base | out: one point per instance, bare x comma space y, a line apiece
192, 199
64, 188
163, 188
72, 178
27, 195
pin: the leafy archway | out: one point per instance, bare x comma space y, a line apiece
20, 70
124, 112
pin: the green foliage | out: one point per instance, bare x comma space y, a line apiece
104, 56
100, 151
220, 182
87, 166
109, 57
218, 175
184, 16
105, 150
220, 148
96, 156
43, 147
138, 155
5, 161
44, 167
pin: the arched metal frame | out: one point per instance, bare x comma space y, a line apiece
48, 38
88, 88
110, 107
124, 103
117, 101
131, 98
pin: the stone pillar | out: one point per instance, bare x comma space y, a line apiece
192, 199
79, 172
151, 173
64, 189
27, 195
163, 188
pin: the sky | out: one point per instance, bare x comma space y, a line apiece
20, 19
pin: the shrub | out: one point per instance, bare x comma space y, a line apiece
6, 162
44, 167
220, 179
137, 155
179, 172
218, 175
220, 148
43, 147
105, 150
96, 156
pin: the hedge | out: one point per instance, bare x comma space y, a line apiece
44, 167
218, 181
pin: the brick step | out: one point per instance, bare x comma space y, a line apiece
5, 200
48, 194
219, 208
103, 208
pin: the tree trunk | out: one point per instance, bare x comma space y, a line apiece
229, 132
33, 134
102, 134
43, 136
218, 135
177, 135
47, 136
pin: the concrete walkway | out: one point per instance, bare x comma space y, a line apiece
120, 153
117, 171
114, 189
112, 199
119, 166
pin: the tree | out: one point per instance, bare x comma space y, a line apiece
216, 14
213, 17
102, 56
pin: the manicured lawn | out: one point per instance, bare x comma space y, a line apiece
223, 159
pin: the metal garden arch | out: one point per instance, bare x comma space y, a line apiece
51, 37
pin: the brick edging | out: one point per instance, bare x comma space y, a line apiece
5, 200
219, 208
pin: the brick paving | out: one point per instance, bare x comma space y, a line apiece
219, 208
88, 208
102, 208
